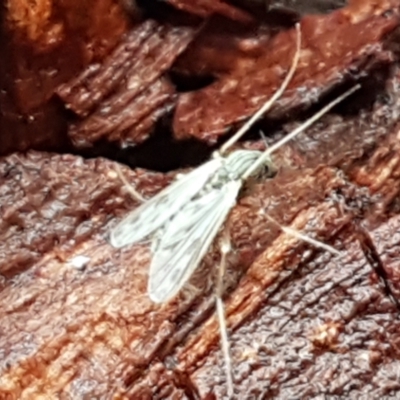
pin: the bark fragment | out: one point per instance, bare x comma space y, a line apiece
336, 48
123, 97
206, 8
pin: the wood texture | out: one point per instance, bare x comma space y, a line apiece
76, 322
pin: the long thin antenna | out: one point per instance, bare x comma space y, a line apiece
268, 104
298, 130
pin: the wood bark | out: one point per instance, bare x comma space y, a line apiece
76, 321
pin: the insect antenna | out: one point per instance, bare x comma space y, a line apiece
268, 104
265, 156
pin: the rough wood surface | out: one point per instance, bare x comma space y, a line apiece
128, 89
42, 45
336, 48
303, 323
75, 320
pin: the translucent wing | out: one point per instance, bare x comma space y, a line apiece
186, 240
153, 214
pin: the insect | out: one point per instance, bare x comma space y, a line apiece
184, 218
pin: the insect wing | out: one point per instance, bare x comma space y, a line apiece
186, 240
151, 215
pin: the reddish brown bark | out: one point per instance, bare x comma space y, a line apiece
75, 319
338, 47
42, 45
300, 319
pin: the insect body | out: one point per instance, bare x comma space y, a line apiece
184, 218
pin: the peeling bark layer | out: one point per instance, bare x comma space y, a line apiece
44, 44
128, 90
336, 48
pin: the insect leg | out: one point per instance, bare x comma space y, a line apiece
134, 193
268, 104
225, 247
304, 238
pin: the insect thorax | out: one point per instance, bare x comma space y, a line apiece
237, 163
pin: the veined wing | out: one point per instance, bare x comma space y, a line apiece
153, 214
186, 240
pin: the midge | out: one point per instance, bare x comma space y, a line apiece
184, 218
